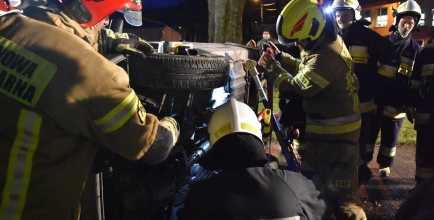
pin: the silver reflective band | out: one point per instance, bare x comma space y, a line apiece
132, 17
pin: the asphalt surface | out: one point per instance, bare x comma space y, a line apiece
382, 196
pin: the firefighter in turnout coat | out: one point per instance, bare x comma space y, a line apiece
61, 100
391, 108
324, 78
422, 107
367, 48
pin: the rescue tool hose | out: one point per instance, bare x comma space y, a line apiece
291, 156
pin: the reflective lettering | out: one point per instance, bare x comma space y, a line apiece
7, 58
29, 94
2, 77
19, 87
30, 70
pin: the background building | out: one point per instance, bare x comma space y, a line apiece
379, 12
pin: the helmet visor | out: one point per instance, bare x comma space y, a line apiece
133, 17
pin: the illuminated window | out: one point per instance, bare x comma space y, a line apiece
381, 17
422, 18
367, 15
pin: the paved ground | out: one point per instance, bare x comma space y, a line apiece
382, 196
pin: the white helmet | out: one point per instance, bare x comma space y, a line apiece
233, 117
348, 4
408, 8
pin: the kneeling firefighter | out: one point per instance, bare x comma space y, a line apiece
245, 187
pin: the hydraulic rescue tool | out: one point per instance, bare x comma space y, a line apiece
291, 155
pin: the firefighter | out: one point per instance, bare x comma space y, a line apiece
101, 39
422, 107
245, 187
391, 108
61, 100
367, 48
324, 78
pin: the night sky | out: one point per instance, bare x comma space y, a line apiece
159, 3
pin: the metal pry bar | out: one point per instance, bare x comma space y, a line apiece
291, 155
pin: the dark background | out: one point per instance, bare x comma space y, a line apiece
190, 17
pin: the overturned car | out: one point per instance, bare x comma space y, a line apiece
184, 80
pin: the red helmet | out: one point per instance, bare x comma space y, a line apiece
89, 12
4, 7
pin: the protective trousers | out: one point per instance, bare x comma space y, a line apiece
364, 132
333, 169
424, 152
390, 128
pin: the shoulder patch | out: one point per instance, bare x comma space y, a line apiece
23, 74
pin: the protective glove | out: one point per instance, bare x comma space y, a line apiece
164, 142
265, 59
411, 112
125, 43
172, 125
269, 47
251, 43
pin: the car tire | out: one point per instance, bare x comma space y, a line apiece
160, 70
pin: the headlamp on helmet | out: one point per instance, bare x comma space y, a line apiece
348, 5
300, 19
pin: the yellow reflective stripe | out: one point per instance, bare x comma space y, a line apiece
359, 52
388, 152
248, 127
415, 84
346, 56
367, 106
426, 73
406, 67
352, 90
227, 128
427, 70
313, 77
333, 126
334, 121
119, 115
223, 130
405, 72
20, 165
392, 112
338, 129
387, 71
282, 77
360, 60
